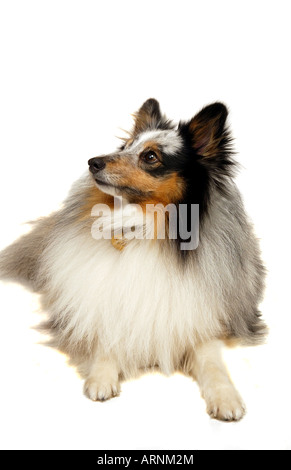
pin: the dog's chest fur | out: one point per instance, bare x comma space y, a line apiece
138, 302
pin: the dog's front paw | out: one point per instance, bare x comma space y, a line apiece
101, 390
225, 405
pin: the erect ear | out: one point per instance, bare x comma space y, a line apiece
147, 117
208, 133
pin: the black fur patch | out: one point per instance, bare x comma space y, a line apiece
200, 172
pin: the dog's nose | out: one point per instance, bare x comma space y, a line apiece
96, 164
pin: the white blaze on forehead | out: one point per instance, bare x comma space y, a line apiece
170, 141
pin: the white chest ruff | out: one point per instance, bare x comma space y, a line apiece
139, 304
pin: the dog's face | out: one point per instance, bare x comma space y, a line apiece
146, 167
158, 160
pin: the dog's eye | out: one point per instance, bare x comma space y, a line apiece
149, 157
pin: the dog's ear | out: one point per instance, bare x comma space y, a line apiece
209, 135
147, 117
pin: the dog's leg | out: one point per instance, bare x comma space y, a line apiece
222, 399
102, 382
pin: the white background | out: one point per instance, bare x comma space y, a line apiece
71, 74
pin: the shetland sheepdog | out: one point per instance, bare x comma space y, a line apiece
119, 297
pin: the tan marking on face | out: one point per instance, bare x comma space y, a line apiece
127, 174
169, 191
164, 190
93, 196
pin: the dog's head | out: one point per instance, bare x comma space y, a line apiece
165, 163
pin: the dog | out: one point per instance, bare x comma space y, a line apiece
119, 304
